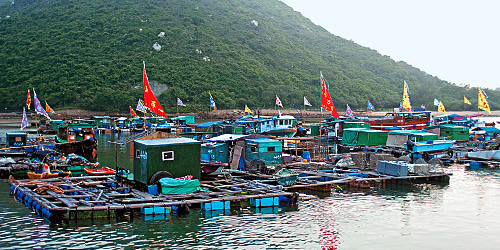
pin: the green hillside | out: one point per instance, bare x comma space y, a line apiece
88, 54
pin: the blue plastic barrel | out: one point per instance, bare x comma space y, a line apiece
475, 165
205, 157
306, 155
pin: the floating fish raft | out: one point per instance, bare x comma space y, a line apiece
326, 180
92, 197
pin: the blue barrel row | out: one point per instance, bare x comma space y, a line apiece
28, 201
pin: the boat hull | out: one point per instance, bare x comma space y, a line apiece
99, 171
391, 121
485, 155
211, 167
85, 148
436, 145
282, 132
55, 174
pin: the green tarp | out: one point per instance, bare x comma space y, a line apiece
174, 186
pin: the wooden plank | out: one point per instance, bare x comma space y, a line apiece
236, 157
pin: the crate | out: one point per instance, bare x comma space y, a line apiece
265, 202
215, 205
156, 210
393, 168
153, 190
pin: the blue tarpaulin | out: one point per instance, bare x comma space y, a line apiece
208, 124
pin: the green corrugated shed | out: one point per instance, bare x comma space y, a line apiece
423, 136
346, 125
458, 133
314, 129
238, 130
54, 124
404, 132
217, 151
268, 150
178, 156
350, 136
185, 120
102, 121
372, 137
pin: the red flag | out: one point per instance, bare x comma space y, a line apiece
132, 112
150, 100
326, 99
28, 101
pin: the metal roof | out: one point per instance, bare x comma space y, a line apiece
226, 137
169, 141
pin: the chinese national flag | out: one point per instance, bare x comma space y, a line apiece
326, 99
150, 100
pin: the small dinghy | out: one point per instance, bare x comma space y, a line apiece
99, 171
52, 174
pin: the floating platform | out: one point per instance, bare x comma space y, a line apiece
93, 197
327, 180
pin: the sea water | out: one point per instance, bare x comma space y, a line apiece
460, 215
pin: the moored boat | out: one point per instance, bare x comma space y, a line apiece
279, 125
403, 120
99, 171
53, 174
429, 146
212, 167
77, 138
485, 155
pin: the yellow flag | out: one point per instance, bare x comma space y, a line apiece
247, 110
482, 103
467, 101
406, 98
441, 108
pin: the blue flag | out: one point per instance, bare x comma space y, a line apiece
212, 102
370, 106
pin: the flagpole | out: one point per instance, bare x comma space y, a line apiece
320, 116
319, 144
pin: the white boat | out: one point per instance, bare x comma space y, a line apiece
485, 155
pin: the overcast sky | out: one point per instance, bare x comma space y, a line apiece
457, 41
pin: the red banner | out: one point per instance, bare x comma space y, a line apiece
150, 100
326, 99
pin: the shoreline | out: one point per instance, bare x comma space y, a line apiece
219, 114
